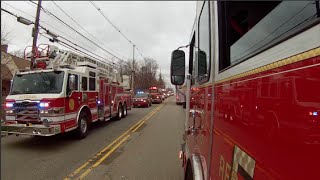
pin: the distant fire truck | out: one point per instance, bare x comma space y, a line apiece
253, 91
181, 95
65, 92
156, 95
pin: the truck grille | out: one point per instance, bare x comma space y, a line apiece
27, 112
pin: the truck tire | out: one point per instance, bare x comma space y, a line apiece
82, 129
124, 111
184, 105
188, 173
120, 111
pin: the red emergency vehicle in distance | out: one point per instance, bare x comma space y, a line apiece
180, 95
253, 83
156, 95
142, 99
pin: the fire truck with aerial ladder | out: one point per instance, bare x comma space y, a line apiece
65, 92
253, 91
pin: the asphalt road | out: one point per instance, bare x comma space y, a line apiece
144, 145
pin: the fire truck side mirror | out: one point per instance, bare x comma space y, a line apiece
177, 69
72, 82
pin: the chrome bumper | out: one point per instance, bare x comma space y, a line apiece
34, 130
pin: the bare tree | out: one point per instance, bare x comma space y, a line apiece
18, 53
5, 34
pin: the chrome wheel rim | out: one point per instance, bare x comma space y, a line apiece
125, 111
120, 112
83, 125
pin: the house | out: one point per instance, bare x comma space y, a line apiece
10, 64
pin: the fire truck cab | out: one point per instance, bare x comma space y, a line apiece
69, 93
156, 95
252, 97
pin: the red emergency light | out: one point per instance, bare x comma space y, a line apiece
153, 88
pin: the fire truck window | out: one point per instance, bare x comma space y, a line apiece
249, 27
191, 55
204, 44
92, 84
77, 83
84, 82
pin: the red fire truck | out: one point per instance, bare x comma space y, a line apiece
67, 93
181, 95
253, 91
156, 95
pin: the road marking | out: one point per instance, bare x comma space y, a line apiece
103, 158
132, 129
156, 110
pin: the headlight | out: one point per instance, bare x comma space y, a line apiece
44, 111
44, 104
56, 110
9, 105
144, 100
46, 122
9, 112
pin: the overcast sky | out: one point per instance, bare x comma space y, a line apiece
156, 28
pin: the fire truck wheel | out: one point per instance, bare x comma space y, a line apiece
120, 111
188, 172
184, 105
125, 111
82, 130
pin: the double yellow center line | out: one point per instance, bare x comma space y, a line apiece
107, 151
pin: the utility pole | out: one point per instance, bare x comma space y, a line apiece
132, 78
35, 35
132, 73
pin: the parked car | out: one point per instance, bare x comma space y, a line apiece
142, 100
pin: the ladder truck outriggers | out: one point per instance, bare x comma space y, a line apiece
64, 92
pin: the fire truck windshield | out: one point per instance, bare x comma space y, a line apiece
141, 95
38, 83
154, 91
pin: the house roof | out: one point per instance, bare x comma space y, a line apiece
10, 64
5, 73
20, 62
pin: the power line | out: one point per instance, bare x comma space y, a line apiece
61, 21
110, 22
81, 26
53, 26
43, 21
113, 64
40, 21
116, 28
9, 12
74, 48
